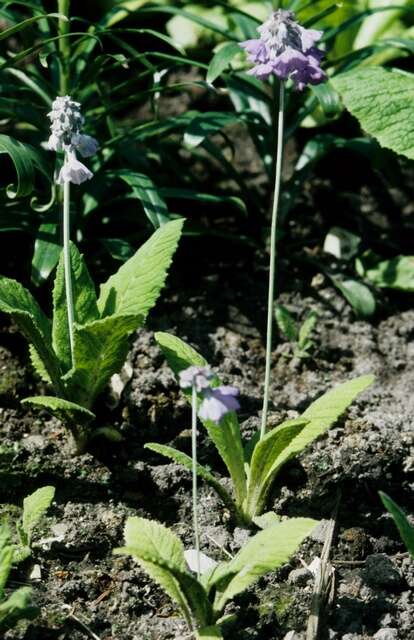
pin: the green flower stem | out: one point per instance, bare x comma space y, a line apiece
194, 457
67, 264
64, 47
273, 252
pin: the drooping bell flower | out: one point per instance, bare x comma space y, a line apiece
66, 135
216, 402
286, 50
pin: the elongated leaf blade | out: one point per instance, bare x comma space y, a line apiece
265, 458
63, 409
324, 412
387, 114
84, 299
100, 351
161, 554
34, 507
26, 161
186, 461
264, 552
18, 302
134, 289
226, 436
222, 59
401, 521
145, 190
17, 607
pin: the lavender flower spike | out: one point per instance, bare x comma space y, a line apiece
286, 50
218, 402
66, 135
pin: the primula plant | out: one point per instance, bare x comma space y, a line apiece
253, 465
102, 325
202, 601
15, 605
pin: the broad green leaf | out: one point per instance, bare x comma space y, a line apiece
38, 365
264, 463
34, 507
321, 414
385, 114
145, 190
161, 554
135, 288
264, 552
324, 412
226, 436
222, 59
357, 294
186, 461
46, 253
100, 350
18, 302
397, 273
26, 160
65, 411
84, 300
286, 323
404, 527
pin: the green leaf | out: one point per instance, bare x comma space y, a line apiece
17, 607
84, 299
222, 59
65, 411
401, 521
7, 33
18, 302
306, 329
385, 114
264, 552
161, 554
210, 633
357, 294
226, 435
26, 160
100, 350
145, 190
6, 556
34, 507
135, 288
325, 411
186, 461
206, 124
328, 99
38, 365
46, 253
286, 323
319, 417
397, 273
265, 463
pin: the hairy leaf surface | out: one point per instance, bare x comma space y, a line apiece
84, 302
134, 289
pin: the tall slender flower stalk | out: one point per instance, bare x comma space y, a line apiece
288, 51
64, 50
273, 254
215, 403
195, 489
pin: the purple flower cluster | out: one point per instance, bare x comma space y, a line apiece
216, 401
287, 50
